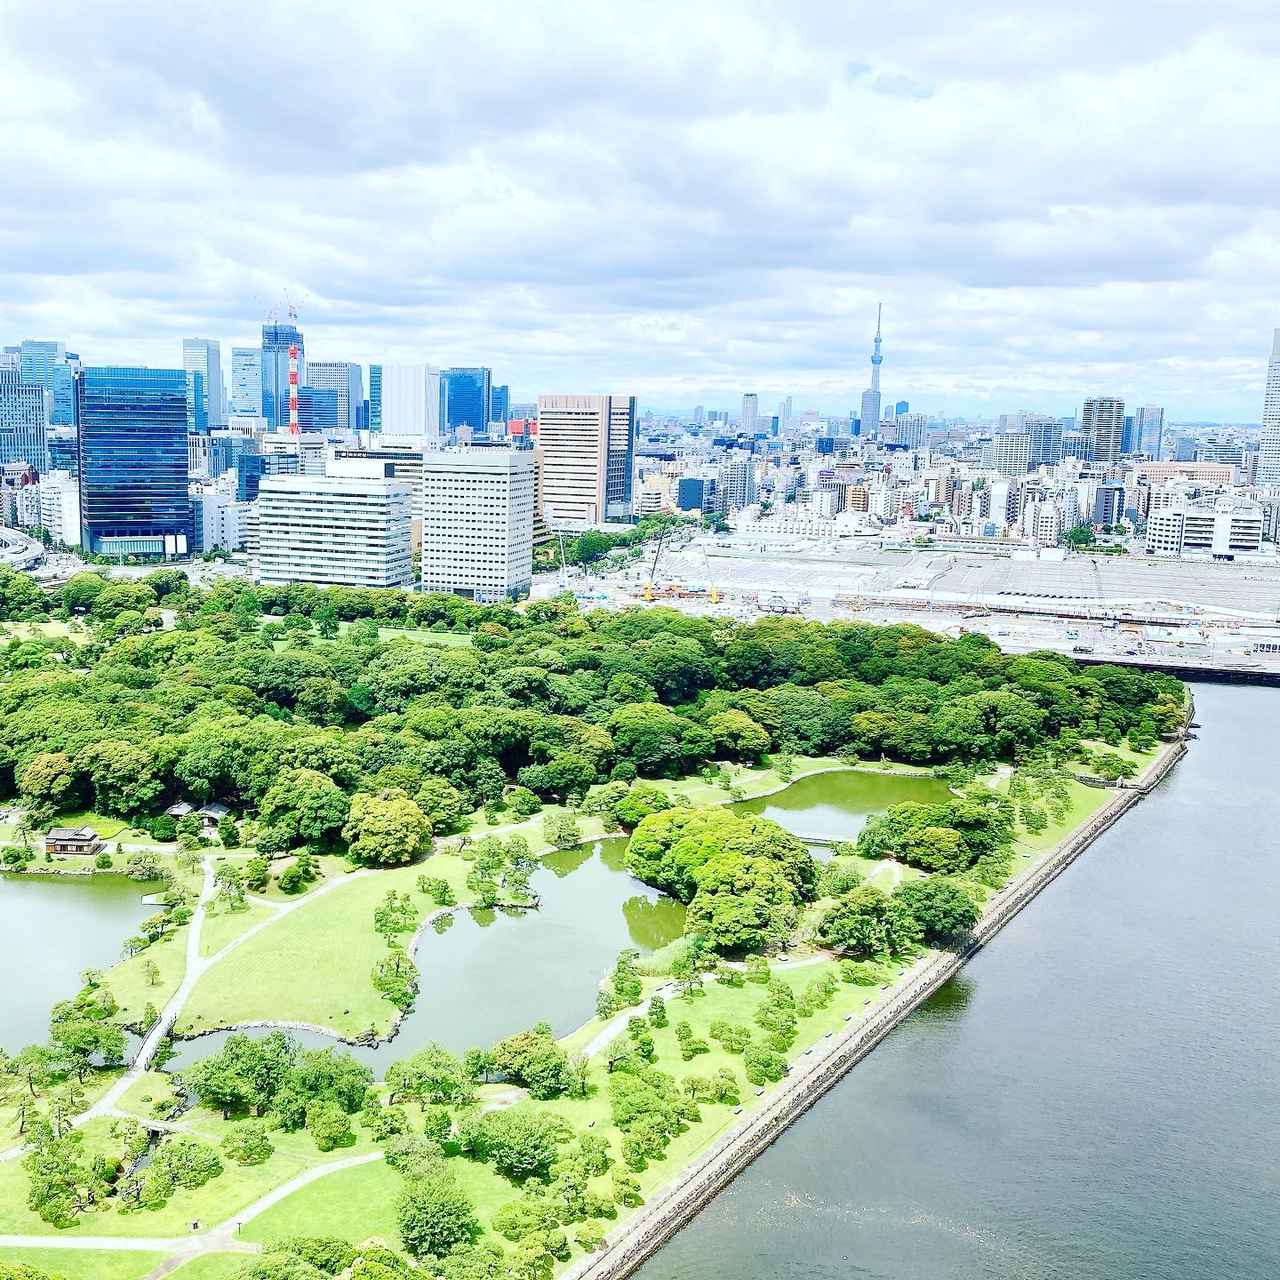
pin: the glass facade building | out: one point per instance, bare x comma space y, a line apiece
276, 341
52, 366
466, 398
246, 380
24, 421
317, 410
375, 397
133, 461
202, 361
500, 404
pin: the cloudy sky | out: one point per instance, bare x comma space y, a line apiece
688, 200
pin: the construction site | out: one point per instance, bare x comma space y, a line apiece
1199, 617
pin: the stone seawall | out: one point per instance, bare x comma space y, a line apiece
829, 1060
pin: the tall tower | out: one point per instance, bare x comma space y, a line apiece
1269, 444
870, 423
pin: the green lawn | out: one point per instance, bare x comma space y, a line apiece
50, 630
90, 1264
211, 1266
222, 926
133, 988
314, 964
352, 1203
447, 639
107, 828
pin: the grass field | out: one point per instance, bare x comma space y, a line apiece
314, 965
107, 828
354, 1203
446, 639
210, 1266
88, 1264
222, 926
129, 981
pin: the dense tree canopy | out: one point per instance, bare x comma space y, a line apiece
361, 741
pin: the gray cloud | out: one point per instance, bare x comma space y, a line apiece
692, 200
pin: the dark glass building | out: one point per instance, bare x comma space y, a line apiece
467, 399
276, 341
133, 461
500, 404
375, 397
317, 410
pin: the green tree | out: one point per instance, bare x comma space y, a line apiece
434, 1215
386, 828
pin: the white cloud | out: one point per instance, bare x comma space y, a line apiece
688, 199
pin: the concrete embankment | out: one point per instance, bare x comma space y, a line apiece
654, 1224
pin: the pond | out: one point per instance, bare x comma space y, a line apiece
490, 973
839, 803
52, 928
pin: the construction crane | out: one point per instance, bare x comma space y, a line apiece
653, 568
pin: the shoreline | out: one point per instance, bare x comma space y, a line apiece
656, 1222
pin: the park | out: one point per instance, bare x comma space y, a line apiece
302, 1039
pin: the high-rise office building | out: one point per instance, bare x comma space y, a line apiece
1011, 453
52, 366
870, 417
277, 339
1269, 443
1046, 437
588, 448
334, 530
202, 363
317, 410
24, 421
467, 396
1148, 430
738, 483
344, 378
133, 461
409, 401
500, 403
477, 522
750, 418
1103, 419
246, 381
375, 397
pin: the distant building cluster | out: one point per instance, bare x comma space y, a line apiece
401, 474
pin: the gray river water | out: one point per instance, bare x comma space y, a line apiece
1095, 1097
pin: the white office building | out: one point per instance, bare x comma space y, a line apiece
477, 522
246, 381
411, 401
334, 531
347, 380
588, 456
60, 507
1218, 528
202, 361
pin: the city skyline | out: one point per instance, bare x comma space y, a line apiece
691, 226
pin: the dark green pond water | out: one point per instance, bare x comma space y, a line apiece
52, 928
839, 804
491, 974
1096, 1097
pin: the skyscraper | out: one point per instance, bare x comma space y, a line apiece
24, 421
246, 381
750, 413
500, 403
276, 341
467, 397
588, 455
477, 522
1269, 445
408, 401
1271, 400
133, 461
375, 397
871, 396
1148, 430
1103, 419
347, 380
52, 366
202, 363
